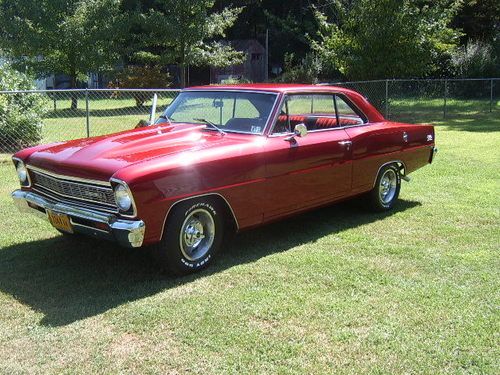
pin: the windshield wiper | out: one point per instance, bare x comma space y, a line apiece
210, 123
165, 117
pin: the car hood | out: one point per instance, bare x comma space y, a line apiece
99, 158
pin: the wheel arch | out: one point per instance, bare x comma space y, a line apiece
229, 216
399, 163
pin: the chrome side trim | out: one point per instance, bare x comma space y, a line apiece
134, 207
194, 197
17, 160
70, 178
383, 165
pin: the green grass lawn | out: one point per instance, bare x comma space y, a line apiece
334, 290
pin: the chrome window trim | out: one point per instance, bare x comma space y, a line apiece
134, 207
266, 124
79, 204
17, 160
193, 197
319, 130
343, 95
70, 178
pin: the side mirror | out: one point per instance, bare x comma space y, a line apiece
300, 130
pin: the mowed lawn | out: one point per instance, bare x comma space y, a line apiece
335, 290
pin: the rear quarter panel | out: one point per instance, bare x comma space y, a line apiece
376, 144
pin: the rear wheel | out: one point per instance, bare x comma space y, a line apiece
192, 236
385, 194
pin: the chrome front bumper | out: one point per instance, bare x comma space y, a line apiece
128, 233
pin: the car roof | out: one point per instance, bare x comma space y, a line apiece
271, 87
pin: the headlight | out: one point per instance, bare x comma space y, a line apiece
123, 198
22, 172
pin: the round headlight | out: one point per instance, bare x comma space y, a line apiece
123, 198
22, 173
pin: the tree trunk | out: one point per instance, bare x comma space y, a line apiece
74, 97
182, 74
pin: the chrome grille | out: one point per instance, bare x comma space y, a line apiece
73, 190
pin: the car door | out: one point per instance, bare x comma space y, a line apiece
304, 172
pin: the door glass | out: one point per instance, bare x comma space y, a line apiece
316, 111
347, 116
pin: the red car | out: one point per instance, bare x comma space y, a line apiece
221, 159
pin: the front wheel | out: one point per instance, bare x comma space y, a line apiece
192, 236
385, 194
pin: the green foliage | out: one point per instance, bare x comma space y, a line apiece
142, 77
62, 36
374, 39
306, 70
185, 33
20, 114
475, 60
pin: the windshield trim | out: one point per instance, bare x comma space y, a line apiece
269, 117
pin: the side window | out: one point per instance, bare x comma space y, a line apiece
347, 116
316, 111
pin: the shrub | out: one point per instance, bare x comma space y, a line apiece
475, 60
306, 70
20, 113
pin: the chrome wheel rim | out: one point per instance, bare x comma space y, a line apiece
387, 186
197, 234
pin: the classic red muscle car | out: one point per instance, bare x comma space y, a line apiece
221, 159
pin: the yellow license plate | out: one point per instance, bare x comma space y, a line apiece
60, 221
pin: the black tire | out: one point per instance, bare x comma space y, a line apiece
383, 197
186, 223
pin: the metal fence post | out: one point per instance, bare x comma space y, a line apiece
445, 97
87, 111
387, 99
491, 95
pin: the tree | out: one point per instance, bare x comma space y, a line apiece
184, 33
373, 39
62, 36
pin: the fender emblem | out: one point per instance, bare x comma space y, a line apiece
429, 137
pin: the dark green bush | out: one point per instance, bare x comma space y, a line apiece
20, 113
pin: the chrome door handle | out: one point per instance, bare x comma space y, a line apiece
345, 143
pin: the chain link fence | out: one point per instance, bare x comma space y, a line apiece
33, 117
430, 100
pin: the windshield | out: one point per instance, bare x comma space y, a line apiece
231, 111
